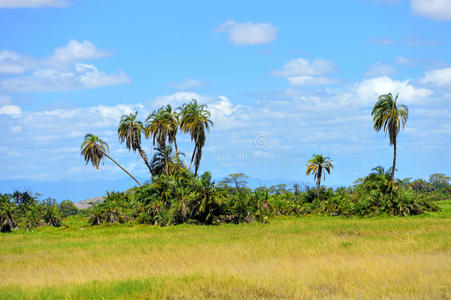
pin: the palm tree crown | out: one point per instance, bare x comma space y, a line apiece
317, 165
93, 150
162, 125
129, 131
195, 120
390, 117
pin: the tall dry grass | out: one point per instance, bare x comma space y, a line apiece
313, 257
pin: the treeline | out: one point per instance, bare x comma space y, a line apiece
180, 197
184, 198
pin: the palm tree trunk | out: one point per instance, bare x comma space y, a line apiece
192, 158
144, 157
176, 148
121, 168
176, 151
394, 163
318, 182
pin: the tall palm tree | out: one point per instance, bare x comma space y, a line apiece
318, 166
94, 150
130, 131
195, 120
163, 125
390, 117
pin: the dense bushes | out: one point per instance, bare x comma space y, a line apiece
183, 198
22, 209
175, 199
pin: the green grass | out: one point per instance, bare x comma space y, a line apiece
309, 257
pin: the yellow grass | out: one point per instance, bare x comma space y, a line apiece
297, 258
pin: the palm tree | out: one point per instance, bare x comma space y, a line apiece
195, 120
94, 150
318, 166
163, 162
387, 115
130, 131
378, 170
161, 125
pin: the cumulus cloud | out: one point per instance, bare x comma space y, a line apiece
300, 71
10, 110
249, 33
62, 70
177, 99
379, 69
439, 10
76, 51
368, 90
438, 77
82, 76
186, 85
33, 3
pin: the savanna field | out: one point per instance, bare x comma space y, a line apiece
309, 257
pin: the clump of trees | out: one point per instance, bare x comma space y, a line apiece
23, 209
177, 195
181, 197
162, 127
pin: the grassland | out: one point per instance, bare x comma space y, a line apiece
310, 257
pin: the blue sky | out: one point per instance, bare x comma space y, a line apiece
283, 80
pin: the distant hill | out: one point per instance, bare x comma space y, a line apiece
88, 202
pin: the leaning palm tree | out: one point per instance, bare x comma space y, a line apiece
130, 131
94, 150
318, 166
195, 120
390, 117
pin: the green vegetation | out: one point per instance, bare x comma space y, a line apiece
125, 248
295, 258
22, 209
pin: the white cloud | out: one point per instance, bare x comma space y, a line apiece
62, 70
438, 77
404, 60
82, 76
380, 69
13, 63
10, 110
368, 90
177, 99
249, 33
310, 80
300, 71
33, 3
439, 10
187, 84
76, 51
